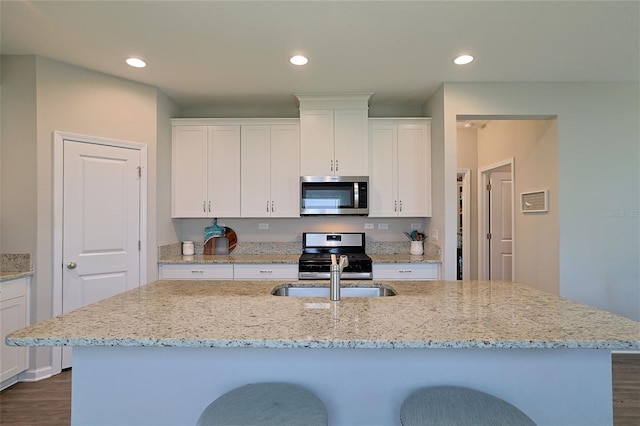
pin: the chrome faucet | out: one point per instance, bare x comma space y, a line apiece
336, 271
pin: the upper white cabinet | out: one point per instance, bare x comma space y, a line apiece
270, 170
400, 167
205, 171
334, 135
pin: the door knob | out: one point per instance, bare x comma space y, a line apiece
71, 265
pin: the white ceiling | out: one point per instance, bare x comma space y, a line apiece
235, 53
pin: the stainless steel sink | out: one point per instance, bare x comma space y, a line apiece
297, 290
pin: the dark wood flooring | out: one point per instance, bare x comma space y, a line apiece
48, 402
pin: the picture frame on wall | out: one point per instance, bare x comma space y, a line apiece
534, 201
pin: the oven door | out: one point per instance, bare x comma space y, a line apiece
333, 195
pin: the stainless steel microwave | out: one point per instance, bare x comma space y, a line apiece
334, 195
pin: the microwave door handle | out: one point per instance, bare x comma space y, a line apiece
356, 195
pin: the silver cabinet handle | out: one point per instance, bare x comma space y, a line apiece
209, 206
71, 265
336, 165
395, 205
400, 205
267, 206
204, 206
331, 165
272, 207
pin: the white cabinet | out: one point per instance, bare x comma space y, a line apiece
270, 170
400, 168
13, 316
196, 271
265, 272
205, 171
333, 135
406, 271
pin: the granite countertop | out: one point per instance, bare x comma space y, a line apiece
6, 276
15, 265
423, 314
285, 258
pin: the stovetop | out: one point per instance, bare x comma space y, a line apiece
315, 261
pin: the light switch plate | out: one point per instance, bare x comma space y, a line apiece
383, 226
416, 226
368, 226
263, 226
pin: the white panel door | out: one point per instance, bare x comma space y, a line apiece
500, 247
101, 223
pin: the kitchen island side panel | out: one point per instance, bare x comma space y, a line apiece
168, 386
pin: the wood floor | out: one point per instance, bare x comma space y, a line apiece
48, 402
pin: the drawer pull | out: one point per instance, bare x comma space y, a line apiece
197, 271
407, 271
266, 272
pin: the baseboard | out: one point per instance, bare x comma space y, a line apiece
35, 374
626, 352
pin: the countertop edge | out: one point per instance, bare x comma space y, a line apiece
318, 344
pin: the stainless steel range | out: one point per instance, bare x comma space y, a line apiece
317, 248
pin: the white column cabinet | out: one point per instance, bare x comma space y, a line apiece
13, 316
333, 142
205, 171
400, 168
270, 170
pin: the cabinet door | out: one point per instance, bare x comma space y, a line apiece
224, 171
414, 165
351, 143
383, 200
316, 142
189, 171
285, 171
196, 271
256, 171
265, 272
406, 271
13, 316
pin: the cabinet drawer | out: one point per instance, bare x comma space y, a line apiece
196, 272
406, 271
265, 271
13, 288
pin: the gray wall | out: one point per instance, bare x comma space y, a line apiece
598, 179
61, 97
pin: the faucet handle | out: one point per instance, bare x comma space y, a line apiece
344, 261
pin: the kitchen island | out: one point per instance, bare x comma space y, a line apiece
159, 354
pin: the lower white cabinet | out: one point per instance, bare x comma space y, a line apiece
265, 271
13, 316
406, 271
196, 271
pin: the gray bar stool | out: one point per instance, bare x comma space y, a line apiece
454, 405
266, 404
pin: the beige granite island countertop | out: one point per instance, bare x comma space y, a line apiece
423, 314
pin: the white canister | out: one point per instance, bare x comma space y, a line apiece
187, 248
416, 248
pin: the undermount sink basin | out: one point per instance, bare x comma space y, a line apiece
297, 290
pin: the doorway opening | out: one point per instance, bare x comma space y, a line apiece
463, 269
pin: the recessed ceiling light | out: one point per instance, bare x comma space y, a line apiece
298, 60
463, 59
136, 62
